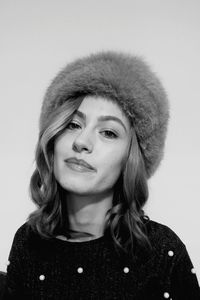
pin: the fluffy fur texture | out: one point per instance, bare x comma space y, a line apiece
129, 81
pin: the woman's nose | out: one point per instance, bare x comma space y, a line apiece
83, 142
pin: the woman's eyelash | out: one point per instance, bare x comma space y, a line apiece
73, 125
110, 134
107, 133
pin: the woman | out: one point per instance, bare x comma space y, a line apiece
102, 131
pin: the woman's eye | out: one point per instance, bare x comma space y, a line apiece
73, 125
109, 134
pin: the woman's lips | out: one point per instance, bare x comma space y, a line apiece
79, 165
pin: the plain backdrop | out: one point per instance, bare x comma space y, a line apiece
38, 37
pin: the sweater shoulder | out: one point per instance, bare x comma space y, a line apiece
24, 230
23, 234
163, 237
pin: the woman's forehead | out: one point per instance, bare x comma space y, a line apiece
99, 106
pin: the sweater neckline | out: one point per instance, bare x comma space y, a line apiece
80, 243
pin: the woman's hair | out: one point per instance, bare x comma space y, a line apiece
124, 219
130, 194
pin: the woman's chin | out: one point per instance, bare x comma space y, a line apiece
81, 190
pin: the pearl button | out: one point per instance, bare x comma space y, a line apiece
170, 253
7, 263
193, 271
80, 270
166, 295
126, 270
42, 277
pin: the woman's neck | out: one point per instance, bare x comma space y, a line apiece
87, 214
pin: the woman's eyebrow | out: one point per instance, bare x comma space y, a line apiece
111, 118
102, 118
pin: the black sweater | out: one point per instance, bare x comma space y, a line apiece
55, 269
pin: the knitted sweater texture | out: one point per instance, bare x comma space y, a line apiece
92, 270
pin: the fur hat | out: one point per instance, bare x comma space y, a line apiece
125, 79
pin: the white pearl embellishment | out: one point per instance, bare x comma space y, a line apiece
166, 295
7, 263
80, 270
170, 253
42, 277
193, 270
126, 270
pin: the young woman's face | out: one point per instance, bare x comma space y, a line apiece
99, 135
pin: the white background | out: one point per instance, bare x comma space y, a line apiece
38, 37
